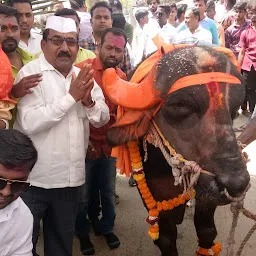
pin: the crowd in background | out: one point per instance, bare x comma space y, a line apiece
67, 114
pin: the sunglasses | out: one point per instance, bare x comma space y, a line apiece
60, 40
17, 186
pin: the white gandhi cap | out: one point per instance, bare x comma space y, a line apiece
60, 24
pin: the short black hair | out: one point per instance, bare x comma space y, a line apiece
240, 6
118, 21
116, 4
114, 31
12, 2
173, 5
46, 34
67, 12
181, 9
210, 5
167, 8
17, 150
101, 4
9, 11
140, 14
205, 1
195, 11
149, 1
76, 4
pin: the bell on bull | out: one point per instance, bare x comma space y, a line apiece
191, 94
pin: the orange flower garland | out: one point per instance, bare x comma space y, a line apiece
214, 250
153, 206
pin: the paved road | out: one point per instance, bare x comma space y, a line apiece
131, 226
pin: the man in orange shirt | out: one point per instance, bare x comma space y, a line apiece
100, 166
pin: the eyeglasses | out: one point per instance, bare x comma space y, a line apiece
60, 40
17, 186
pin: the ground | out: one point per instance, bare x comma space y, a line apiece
131, 226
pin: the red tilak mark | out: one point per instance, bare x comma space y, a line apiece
9, 25
216, 97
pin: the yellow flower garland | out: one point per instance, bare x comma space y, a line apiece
156, 207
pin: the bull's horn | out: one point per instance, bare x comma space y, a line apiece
130, 95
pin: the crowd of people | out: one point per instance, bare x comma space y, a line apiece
54, 114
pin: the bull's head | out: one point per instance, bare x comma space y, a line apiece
196, 120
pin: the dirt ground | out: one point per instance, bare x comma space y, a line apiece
131, 227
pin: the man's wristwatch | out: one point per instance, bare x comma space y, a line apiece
91, 105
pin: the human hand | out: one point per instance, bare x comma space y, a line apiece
91, 152
82, 85
23, 88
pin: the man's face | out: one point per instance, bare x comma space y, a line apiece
26, 17
161, 16
144, 20
250, 13
101, 19
201, 6
60, 54
240, 15
211, 13
173, 13
6, 195
153, 6
112, 50
191, 20
9, 33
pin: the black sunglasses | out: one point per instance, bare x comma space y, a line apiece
17, 186
60, 40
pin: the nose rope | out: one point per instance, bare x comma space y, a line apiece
236, 207
184, 172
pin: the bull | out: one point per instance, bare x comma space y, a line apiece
191, 94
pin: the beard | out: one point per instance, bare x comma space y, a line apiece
111, 63
9, 45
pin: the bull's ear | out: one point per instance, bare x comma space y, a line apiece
131, 126
162, 50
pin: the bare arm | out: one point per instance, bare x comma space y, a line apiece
249, 134
241, 57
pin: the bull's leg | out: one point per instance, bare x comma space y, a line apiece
167, 235
205, 226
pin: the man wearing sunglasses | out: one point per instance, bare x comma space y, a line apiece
16, 220
57, 116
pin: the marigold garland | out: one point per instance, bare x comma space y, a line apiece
156, 207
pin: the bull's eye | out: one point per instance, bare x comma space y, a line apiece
178, 110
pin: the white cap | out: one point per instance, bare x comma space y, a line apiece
60, 24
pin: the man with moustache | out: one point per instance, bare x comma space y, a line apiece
9, 39
17, 157
101, 19
56, 116
30, 40
100, 166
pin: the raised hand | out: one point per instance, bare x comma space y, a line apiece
25, 85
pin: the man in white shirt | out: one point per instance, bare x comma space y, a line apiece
194, 32
167, 31
142, 45
30, 40
57, 116
17, 157
152, 6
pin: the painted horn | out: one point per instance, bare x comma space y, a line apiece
130, 95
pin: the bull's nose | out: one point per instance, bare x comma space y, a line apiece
235, 184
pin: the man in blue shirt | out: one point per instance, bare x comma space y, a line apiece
205, 22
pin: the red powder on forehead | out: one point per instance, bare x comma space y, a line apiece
216, 96
117, 41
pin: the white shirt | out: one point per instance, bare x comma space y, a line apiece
168, 33
85, 25
16, 226
34, 43
200, 34
142, 45
57, 125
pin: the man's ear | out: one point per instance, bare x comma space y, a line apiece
91, 21
43, 43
